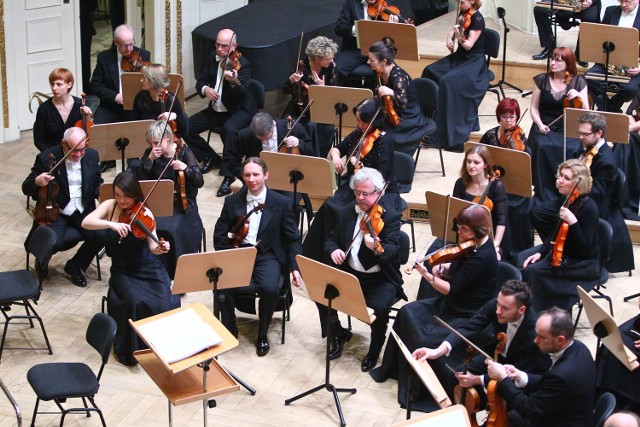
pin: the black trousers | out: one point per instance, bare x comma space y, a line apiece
108, 114
542, 16
614, 104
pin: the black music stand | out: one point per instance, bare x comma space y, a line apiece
339, 291
503, 82
203, 272
330, 103
113, 140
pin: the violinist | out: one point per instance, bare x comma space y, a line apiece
224, 82
139, 286
580, 251
404, 121
58, 113
272, 230
183, 230
461, 77
78, 179
352, 248
562, 85
464, 286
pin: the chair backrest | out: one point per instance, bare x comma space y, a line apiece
491, 44
257, 89
41, 245
427, 91
100, 335
506, 272
404, 167
604, 407
403, 247
620, 193
605, 238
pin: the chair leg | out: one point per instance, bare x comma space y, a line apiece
103, 303
415, 164
575, 325
203, 246
35, 412
284, 320
44, 332
98, 266
441, 161
84, 402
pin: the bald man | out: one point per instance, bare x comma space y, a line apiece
623, 419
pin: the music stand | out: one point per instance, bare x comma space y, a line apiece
113, 139
502, 82
339, 291
405, 37
204, 271
437, 205
617, 125
160, 202
605, 328
181, 381
516, 165
131, 85
608, 44
331, 102
454, 415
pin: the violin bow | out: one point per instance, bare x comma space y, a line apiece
224, 62
295, 123
299, 52
361, 226
462, 337
72, 150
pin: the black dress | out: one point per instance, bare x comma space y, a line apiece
138, 288
145, 108
462, 83
48, 129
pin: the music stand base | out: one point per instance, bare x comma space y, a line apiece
630, 297
332, 389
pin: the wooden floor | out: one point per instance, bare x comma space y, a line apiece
129, 398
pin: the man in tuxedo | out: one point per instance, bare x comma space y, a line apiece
510, 313
625, 15
564, 396
231, 104
79, 180
273, 232
105, 81
373, 260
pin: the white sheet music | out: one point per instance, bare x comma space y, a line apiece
179, 335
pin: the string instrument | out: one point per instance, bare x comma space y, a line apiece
573, 102
85, 123
382, 11
232, 63
483, 199
241, 228
365, 143
387, 101
468, 397
513, 139
282, 147
301, 89
496, 405
563, 228
141, 221
446, 254
463, 22
587, 156
47, 209
373, 222
134, 62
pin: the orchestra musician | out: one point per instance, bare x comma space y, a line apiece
580, 251
462, 78
139, 286
561, 86
58, 113
273, 232
396, 83
464, 285
564, 396
352, 248
79, 179
183, 230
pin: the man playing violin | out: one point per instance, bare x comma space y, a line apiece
272, 231
373, 259
78, 178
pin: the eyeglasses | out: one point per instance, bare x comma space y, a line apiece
363, 193
583, 134
505, 117
557, 59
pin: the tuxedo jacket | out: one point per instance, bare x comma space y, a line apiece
612, 16
91, 178
278, 232
247, 145
604, 173
234, 98
564, 396
352, 11
105, 81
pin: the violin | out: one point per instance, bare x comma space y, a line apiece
85, 123
134, 62
382, 11
446, 254
232, 63
468, 397
282, 147
483, 199
365, 144
495, 404
141, 221
301, 90
47, 209
463, 22
513, 139
587, 156
387, 100
374, 224
240, 230
563, 228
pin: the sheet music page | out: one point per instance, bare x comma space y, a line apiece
179, 335
448, 419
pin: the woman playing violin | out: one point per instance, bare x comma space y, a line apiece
139, 286
580, 253
184, 228
561, 85
58, 113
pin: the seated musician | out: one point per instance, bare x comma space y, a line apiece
553, 91
404, 121
58, 113
564, 396
273, 231
462, 78
139, 286
576, 247
464, 286
183, 230
76, 198
509, 313
624, 15
372, 259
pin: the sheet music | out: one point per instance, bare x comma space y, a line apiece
448, 419
179, 335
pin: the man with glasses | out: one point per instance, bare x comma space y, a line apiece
106, 83
78, 179
625, 15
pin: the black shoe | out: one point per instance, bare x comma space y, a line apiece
225, 187
210, 163
338, 342
541, 55
369, 362
105, 166
262, 347
583, 64
77, 278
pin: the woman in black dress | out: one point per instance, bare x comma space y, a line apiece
58, 113
139, 286
184, 228
462, 79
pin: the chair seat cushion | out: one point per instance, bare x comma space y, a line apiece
58, 380
362, 70
17, 285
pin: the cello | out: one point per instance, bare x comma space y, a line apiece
468, 397
496, 405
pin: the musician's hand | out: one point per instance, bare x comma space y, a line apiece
338, 164
567, 216
632, 72
178, 165
162, 248
231, 75
572, 93
297, 279
393, 18
383, 91
211, 94
532, 260
450, 44
155, 153
468, 380
370, 242
118, 99
163, 116
425, 353
120, 227
295, 77
353, 161
496, 370
544, 129
514, 373
338, 256
420, 268
86, 111
43, 179
292, 141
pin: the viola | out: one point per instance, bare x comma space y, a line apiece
240, 230
445, 254
468, 397
141, 221
483, 199
495, 404
563, 228
387, 101
513, 139
134, 62
382, 11
85, 123
374, 224
47, 209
